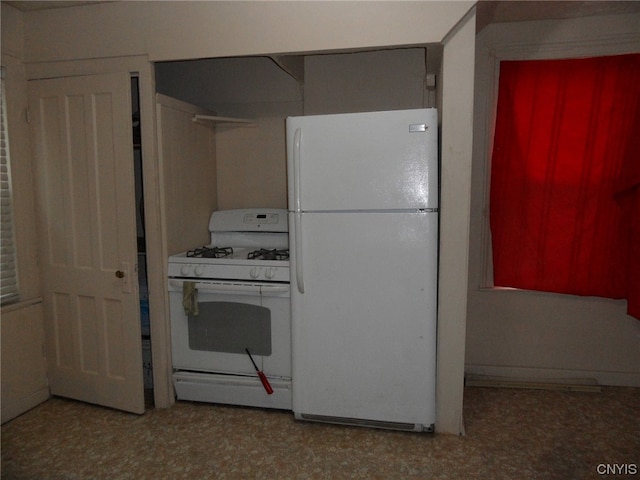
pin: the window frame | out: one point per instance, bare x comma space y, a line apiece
576, 48
10, 293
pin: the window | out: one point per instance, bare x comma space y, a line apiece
8, 274
565, 177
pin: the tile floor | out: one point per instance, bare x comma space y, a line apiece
510, 434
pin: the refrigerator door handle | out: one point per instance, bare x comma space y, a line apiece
298, 239
297, 224
297, 140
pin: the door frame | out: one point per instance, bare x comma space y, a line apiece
153, 200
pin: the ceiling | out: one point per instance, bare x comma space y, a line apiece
487, 12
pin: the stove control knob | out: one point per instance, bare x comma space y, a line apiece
254, 272
184, 270
199, 270
270, 273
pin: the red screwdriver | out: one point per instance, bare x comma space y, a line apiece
263, 377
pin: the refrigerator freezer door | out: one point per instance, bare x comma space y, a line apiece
364, 331
363, 161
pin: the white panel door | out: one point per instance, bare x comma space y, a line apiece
364, 330
82, 135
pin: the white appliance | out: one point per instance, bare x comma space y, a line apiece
363, 234
240, 284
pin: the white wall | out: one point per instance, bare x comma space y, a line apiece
456, 98
24, 381
525, 334
187, 155
24, 373
177, 30
252, 167
365, 81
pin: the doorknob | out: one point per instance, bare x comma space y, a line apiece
119, 274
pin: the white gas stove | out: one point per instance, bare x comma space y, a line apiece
245, 244
229, 304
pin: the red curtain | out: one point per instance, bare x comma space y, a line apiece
565, 177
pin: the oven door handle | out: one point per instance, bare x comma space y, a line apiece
248, 289
273, 290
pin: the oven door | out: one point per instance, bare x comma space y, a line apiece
232, 317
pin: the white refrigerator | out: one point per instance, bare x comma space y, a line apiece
363, 239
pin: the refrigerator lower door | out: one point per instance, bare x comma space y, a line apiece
364, 330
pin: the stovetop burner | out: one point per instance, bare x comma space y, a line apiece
210, 252
227, 252
269, 254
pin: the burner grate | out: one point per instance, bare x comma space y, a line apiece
266, 254
210, 252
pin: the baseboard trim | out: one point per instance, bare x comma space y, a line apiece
552, 377
570, 384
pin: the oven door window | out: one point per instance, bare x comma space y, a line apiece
231, 327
